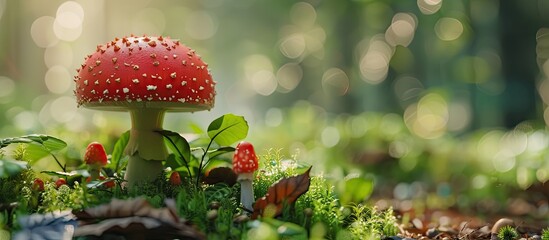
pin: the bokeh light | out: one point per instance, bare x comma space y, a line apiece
42, 32
374, 65
429, 117
201, 25
448, 29
68, 21
335, 82
429, 7
289, 76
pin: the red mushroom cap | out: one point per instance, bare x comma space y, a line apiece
95, 155
144, 72
244, 159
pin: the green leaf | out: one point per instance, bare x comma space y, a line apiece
214, 153
51, 144
228, 129
11, 167
118, 151
356, 190
178, 145
34, 152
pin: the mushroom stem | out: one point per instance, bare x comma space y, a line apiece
246, 190
94, 173
146, 148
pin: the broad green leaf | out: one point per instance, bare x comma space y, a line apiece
228, 129
11, 167
7, 141
214, 153
35, 152
356, 190
118, 151
51, 144
42, 147
178, 145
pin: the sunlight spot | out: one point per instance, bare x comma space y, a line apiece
335, 82
523, 178
429, 7
401, 31
503, 161
330, 137
25, 120
59, 54
68, 21
42, 32
303, 14
273, 117
543, 174
402, 191
264, 82
151, 20
448, 29
8, 86
479, 181
63, 109
58, 79
374, 65
201, 25
293, 46
289, 76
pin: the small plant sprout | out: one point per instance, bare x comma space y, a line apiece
545, 234
507, 233
146, 76
95, 158
244, 165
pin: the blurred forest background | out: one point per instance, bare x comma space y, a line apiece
455, 88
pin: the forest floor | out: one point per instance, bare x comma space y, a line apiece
528, 219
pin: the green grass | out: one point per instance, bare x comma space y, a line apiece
213, 209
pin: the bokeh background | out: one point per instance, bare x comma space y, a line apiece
448, 97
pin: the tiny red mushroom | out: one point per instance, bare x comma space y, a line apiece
95, 158
175, 179
244, 165
146, 76
60, 182
38, 185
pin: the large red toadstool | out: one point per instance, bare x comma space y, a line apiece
146, 76
244, 165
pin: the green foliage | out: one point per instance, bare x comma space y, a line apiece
228, 129
117, 160
224, 131
63, 198
355, 189
545, 234
507, 233
11, 167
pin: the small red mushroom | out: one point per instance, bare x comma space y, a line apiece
38, 185
175, 179
146, 76
244, 165
95, 158
60, 182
